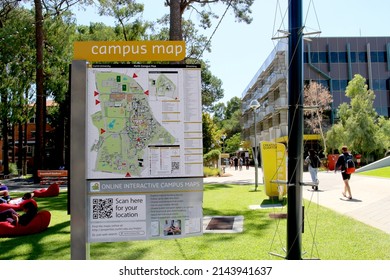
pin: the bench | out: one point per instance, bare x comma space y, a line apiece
49, 177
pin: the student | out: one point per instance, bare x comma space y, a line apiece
11, 216
4, 195
341, 161
21, 199
314, 163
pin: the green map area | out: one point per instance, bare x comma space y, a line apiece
125, 124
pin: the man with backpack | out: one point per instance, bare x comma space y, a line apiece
345, 163
314, 162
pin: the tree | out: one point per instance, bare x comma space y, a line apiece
241, 10
233, 125
359, 126
317, 100
233, 144
384, 133
16, 75
219, 113
209, 132
124, 11
211, 88
232, 106
43, 8
40, 92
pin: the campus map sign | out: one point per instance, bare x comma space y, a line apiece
144, 139
129, 50
144, 121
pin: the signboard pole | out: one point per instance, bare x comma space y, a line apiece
136, 165
295, 126
77, 190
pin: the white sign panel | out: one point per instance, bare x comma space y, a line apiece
144, 121
139, 209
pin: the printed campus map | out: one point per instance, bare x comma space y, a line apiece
144, 122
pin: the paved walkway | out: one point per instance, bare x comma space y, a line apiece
370, 203
371, 195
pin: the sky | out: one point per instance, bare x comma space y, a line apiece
238, 49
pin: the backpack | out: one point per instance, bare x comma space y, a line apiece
315, 162
349, 164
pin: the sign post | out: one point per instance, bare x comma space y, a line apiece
136, 146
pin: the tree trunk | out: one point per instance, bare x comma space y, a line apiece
175, 32
25, 163
20, 146
4, 132
40, 94
13, 143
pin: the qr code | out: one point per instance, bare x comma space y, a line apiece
175, 166
102, 208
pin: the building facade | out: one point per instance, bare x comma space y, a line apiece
330, 61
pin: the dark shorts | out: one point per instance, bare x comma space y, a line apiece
345, 176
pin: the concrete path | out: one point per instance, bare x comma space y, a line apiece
371, 196
370, 203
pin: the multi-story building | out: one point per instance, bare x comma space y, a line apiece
330, 61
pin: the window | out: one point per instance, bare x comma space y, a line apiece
343, 84
378, 57
336, 85
325, 83
339, 85
334, 58
362, 57
316, 57
342, 57
276, 94
353, 57
378, 84
269, 123
322, 57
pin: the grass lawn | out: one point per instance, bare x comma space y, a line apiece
381, 172
327, 236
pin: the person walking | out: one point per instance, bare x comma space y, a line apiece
314, 162
341, 164
236, 163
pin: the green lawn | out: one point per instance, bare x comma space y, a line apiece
327, 236
381, 172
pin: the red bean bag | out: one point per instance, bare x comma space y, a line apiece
39, 223
16, 207
52, 190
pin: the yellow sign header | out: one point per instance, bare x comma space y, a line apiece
105, 51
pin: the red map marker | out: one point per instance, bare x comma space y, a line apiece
128, 174
95, 93
146, 92
97, 102
102, 131
135, 75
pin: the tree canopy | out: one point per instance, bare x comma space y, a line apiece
359, 126
35, 59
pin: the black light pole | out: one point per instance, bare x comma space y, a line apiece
254, 105
295, 128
